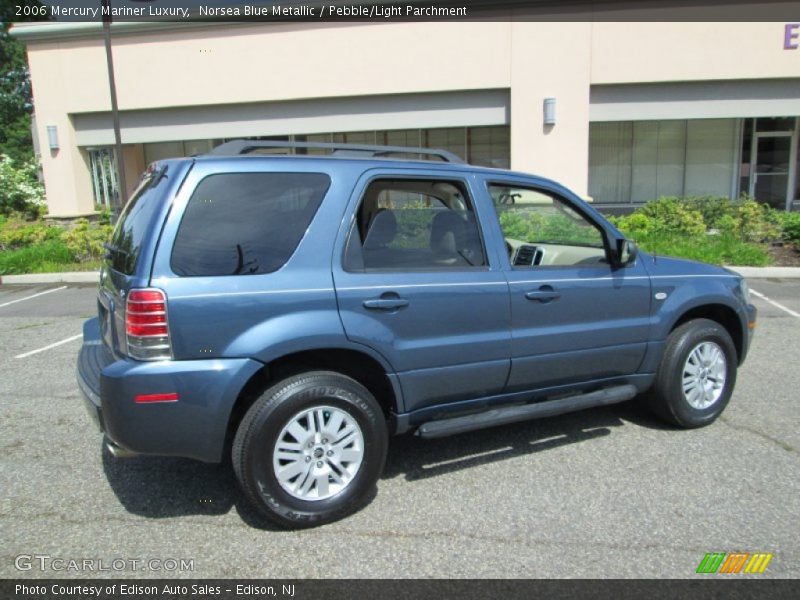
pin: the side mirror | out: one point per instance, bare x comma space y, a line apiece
627, 251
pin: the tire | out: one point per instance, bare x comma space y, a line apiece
696, 376
306, 482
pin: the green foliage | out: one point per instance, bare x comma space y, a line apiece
47, 256
706, 228
713, 208
670, 214
103, 214
539, 226
16, 102
86, 240
38, 247
753, 222
20, 190
789, 225
635, 225
17, 232
719, 250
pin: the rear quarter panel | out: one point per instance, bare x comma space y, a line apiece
257, 316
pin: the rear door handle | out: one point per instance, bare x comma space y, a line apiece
544, 294
385, 303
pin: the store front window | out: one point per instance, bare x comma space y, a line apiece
638, 161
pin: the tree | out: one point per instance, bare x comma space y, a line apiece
16, 102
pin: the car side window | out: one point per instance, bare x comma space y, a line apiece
542, 229
245, 223
419, 224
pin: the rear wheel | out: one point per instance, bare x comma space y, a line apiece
697, 374
310, 449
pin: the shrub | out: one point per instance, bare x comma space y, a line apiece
754, 222
17, 232
635, 224
20, 190
789, 225
680, 227
670, 214
713, 208
86, 239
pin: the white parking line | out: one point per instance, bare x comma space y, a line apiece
69, 339
776, 304
63, 287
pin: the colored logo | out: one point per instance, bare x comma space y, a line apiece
734, 562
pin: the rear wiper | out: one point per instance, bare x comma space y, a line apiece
114, 248
240, 264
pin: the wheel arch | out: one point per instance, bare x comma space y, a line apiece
361, 366
719, 313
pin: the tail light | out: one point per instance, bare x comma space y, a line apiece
146, 325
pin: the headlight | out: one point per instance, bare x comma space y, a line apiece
745, 289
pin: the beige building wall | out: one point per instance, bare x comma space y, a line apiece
551, 63
231, 64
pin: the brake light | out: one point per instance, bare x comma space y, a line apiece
146, 325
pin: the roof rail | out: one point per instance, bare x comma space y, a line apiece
238, 147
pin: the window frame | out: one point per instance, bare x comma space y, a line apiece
557, 195
352, 256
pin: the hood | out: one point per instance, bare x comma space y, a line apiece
665, 265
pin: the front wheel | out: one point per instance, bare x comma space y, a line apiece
696, 376
311, 449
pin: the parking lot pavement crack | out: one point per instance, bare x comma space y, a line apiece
761, 434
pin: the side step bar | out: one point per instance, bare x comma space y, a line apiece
514, 414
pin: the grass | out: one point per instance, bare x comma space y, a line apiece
714, 249
51, 256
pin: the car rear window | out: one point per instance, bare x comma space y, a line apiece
135, 221
245, 223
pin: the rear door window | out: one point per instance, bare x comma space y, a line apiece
423, 224
136, 221
245, 223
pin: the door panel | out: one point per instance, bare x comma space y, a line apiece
574, 318
595, 328
422, 290
450, 340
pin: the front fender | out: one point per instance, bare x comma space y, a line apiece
685, 293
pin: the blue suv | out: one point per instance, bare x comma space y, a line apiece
289, 311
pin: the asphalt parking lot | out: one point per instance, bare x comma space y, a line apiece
604, 493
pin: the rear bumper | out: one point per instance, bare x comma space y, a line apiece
194, 426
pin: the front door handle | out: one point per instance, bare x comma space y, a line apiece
386, 303
544, 294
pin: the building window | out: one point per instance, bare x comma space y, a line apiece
489, 146
638, 161
453, 139
104, 176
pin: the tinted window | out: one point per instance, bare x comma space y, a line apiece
245, 223
135, 222
407, 224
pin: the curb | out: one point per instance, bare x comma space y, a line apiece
768, 272
93, 276
69, 277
